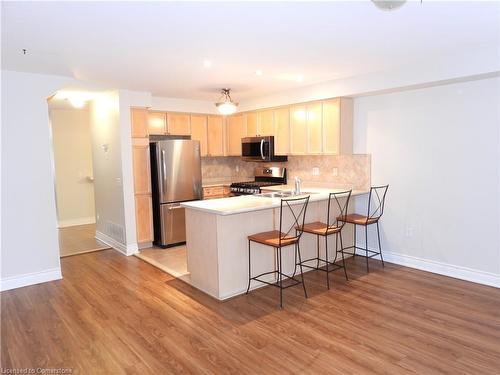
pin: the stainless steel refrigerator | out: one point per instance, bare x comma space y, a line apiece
176, 178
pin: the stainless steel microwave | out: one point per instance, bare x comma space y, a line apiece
259, 149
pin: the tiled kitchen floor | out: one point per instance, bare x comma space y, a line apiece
78, 240
172, 260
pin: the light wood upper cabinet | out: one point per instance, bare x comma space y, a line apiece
282, 131
199, 132
178, 123
215, 136
298, 130
252, 124
346, 125
266, 122
139, 122
235, 130
331, 126
144, 218
157, 123
141, 166
314, 128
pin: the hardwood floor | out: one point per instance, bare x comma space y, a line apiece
79, 239
119, 315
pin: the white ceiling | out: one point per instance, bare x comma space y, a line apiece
160, 47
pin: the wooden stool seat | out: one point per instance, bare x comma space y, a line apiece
357, 219
320, 228
272, 238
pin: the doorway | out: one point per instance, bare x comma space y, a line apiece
74, 182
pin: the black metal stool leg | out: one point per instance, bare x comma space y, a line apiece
317, 247
249, 270
295, 266
280, 278
354, 249
380, 247
327, 264
366, 248
343, 258
301, 271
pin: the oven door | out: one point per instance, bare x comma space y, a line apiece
257, 148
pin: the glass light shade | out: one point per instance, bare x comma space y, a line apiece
226, 108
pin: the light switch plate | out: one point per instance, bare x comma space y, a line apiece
315, 171
335, 171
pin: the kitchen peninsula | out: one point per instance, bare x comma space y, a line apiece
217, 245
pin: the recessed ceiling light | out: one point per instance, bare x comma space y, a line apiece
258, 72
207, 63
299, 78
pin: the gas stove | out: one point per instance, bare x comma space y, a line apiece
264, 176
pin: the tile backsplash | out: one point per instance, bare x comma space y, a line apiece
343, 171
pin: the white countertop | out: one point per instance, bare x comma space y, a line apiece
247, 203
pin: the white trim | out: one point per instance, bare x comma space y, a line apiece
75, 222
124, 249
458, 272
27, 279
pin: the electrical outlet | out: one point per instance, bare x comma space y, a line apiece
237, 168
315, 171
335, 171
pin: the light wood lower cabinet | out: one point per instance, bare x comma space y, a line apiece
235, 130
141, 165
144, 218
213, 192
215, 136
142, 189
199, 132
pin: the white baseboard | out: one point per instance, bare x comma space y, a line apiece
27, 279
458, 272
75, 222
130, 249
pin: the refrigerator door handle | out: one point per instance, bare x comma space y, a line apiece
164, 172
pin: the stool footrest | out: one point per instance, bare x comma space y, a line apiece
327, 263
276, 283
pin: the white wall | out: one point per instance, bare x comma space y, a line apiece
438, 148
29, 245
107, 165
72, 149
184, 105
467, 66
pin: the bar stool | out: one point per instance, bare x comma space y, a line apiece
376, 201
278, 239
332, 226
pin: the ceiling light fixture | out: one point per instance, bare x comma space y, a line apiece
388, 4
299, 78
207, 63
225, 105
258, 72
